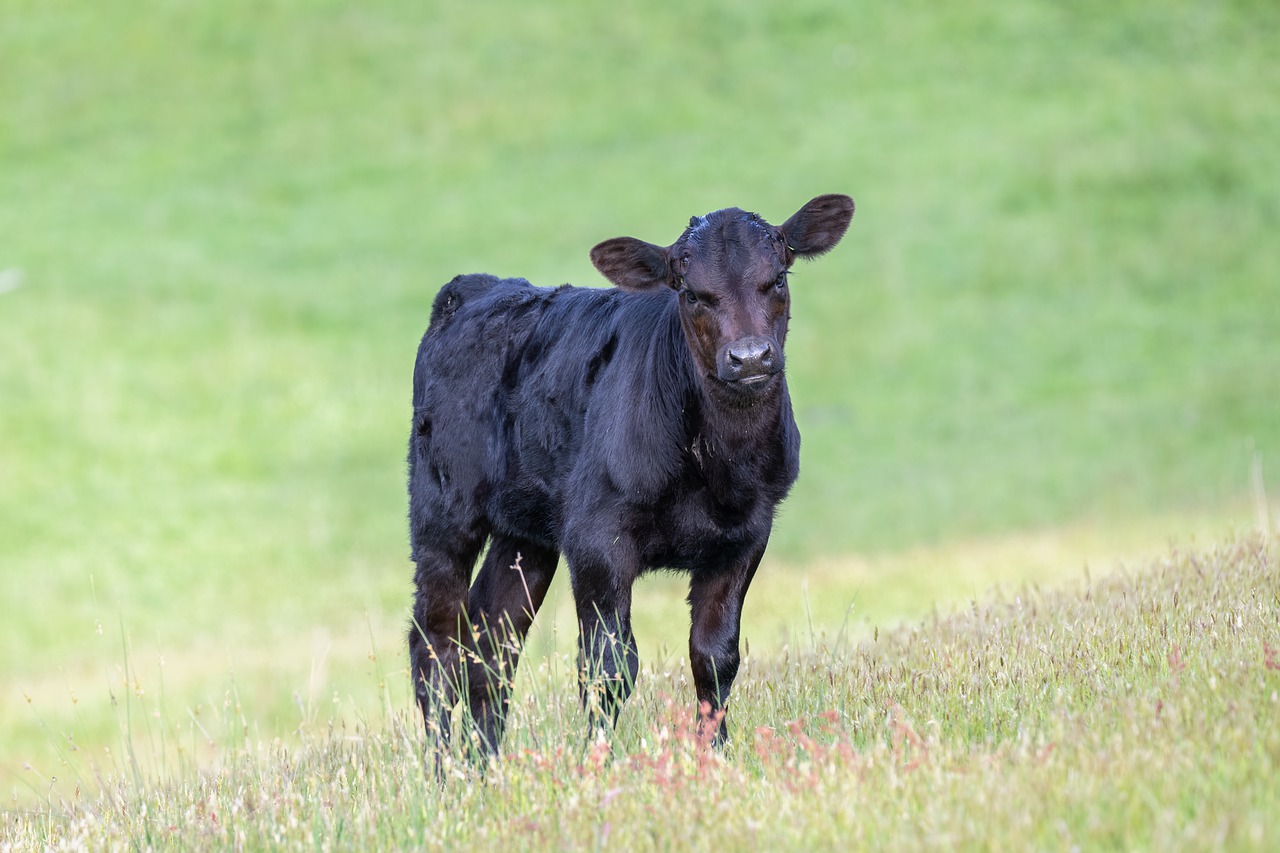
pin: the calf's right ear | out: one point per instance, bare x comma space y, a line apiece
633, 264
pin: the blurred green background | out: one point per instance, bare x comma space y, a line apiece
221, 227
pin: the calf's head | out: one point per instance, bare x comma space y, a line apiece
729, 270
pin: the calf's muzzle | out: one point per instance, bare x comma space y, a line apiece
750, 360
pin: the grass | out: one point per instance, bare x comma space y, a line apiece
1137, 711
1047, 338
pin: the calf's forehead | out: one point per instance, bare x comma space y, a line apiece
731, 246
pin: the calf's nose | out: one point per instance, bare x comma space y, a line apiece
756, 357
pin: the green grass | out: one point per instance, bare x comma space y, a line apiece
221, 227
1136, 712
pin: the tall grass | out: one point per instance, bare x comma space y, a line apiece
1137, 711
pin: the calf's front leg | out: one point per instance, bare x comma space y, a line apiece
715, 609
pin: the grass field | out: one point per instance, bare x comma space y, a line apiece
1048, 338
1137, 712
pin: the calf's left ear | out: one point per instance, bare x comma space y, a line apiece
632, 264
818, 226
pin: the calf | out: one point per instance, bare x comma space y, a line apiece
646, 426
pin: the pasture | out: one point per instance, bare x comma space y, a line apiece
1135, 712
1047, 340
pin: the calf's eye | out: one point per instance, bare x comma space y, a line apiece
780, 283
690, 296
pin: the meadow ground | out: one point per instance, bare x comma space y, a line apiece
1047, 340
1136, 712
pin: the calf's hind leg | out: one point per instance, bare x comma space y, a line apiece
439, 626
607, 655
505, 597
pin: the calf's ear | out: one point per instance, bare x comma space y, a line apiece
632, 264
818, 226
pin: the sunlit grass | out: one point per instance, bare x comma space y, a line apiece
1133, 711
350, 665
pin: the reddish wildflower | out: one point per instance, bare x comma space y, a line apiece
904, 735
598, 755
708, 726
767, 745
796, 727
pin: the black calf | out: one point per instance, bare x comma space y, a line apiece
639, 427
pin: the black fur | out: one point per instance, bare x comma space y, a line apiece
642, 427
